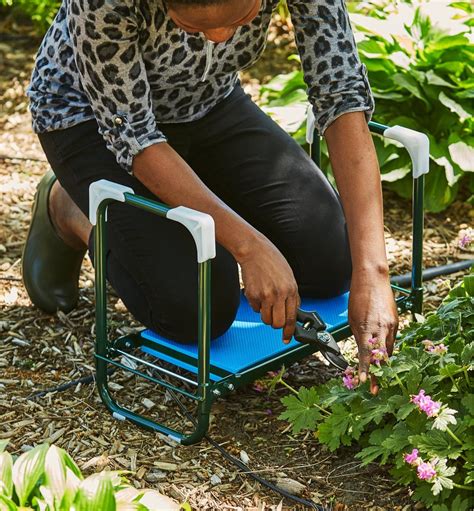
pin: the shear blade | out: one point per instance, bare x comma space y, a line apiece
338, 361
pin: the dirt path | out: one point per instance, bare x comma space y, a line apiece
38, 351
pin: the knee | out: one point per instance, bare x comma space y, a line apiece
176, 316
328, 272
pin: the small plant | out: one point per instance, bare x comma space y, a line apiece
46, 478
422, 420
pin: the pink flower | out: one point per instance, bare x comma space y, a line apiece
431, 347
426, 471
439, 349
258, 387
425, 403
350, 379
378, 355
412, 458
373, 341
465, 241
427, 344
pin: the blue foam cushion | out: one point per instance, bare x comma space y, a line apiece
249, 341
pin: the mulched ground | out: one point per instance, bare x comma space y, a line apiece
38, 351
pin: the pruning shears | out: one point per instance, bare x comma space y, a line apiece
311, 329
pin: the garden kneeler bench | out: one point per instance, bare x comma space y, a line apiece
214, 369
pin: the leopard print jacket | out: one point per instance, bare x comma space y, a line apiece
126, 64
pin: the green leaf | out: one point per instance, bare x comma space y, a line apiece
3, 445
409, 83
436, 443
463, 155
6, 479
27, 471
96, 492
301, 410
454, 107
7, 504
332, 431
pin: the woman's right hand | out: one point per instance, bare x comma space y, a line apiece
270, 286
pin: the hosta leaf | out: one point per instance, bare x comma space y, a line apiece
28, 470
55, 472
95, 492
409, 83
155, 501
6, 504
131, 506
454, 107
6, 478
463, 155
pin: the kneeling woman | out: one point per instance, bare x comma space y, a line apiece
146, 93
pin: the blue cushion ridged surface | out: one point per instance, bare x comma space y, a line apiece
249, 341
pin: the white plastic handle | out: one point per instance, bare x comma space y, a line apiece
417, 144
104, 189
201, 227
310, 124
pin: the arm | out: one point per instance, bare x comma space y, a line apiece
372, 308
342, 103
269, 283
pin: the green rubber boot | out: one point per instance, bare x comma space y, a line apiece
50, 268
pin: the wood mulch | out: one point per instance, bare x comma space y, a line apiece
38, 351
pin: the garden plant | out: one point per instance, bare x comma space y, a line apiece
46, 478
422, 420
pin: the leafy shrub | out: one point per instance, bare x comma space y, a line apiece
422, 79
422, 420
41, 12
47, 479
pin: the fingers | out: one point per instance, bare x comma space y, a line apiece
374, 388
292, 303
365, 352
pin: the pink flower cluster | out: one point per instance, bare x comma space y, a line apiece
426, 404
350, 379
431, 347
378, 354
425, 469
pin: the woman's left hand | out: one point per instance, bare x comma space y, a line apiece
372, 314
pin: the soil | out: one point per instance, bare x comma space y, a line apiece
38, 351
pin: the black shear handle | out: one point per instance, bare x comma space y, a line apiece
312, 319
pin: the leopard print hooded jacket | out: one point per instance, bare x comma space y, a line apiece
126, 64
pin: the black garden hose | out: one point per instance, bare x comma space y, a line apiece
435, 271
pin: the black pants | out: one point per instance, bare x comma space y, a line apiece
253, 166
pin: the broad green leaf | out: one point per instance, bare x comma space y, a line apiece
155, 501
6, 479
463, 155
94, 493
55, 472
3, 445
447, 42
72, 484
454, 107
434, 79
409, 83
27, 471
7, 504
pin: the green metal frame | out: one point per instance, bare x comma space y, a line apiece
206, 391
